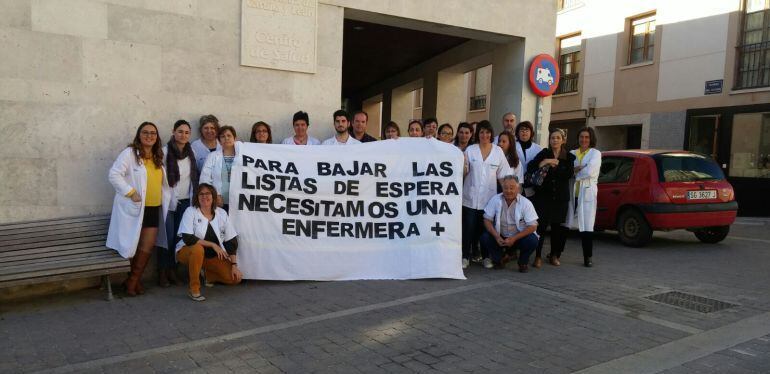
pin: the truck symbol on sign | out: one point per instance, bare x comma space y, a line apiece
543, 75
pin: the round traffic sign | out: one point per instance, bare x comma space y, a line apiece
544, 75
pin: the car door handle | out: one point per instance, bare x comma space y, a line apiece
615, 192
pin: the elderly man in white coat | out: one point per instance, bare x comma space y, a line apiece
582, 210
136, 227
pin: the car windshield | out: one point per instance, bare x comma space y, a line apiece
687, 167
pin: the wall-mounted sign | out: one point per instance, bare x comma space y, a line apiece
279, 34
544, 75
713, 87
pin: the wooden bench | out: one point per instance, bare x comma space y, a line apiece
56, 250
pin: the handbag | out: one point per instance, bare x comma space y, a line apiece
536, 177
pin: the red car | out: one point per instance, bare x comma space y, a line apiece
645, 190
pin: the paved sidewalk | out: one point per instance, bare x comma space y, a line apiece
552, 320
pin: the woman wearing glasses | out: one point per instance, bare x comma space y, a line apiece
142, 196
209, 242
260, 133
446, 133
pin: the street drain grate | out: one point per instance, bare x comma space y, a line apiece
690, 302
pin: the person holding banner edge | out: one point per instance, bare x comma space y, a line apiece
484, 165
209, 242
510, 221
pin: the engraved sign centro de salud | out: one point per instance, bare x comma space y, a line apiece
279, 34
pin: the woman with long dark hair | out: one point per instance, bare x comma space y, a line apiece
415, 129
464, 136
142, 197
261, 133
182, 176
391, 131
552, 196
507, 142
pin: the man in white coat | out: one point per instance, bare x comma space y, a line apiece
341, 127
582, 208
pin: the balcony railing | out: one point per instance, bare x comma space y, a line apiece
567, 83
753, 66
478, 102
567, 4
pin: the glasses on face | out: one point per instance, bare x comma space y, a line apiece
205, 194
445, 133
261, 131
149, 133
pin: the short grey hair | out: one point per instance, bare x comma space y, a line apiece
509, 178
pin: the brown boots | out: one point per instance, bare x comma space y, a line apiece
134, 282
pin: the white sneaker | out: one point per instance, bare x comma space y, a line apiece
488, 264
465, 263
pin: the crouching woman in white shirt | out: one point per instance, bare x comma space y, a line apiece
209, 242
510, 221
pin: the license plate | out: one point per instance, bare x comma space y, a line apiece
702, 195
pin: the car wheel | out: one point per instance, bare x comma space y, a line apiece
633, 229
713, 234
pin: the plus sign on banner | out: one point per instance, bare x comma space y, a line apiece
379, 210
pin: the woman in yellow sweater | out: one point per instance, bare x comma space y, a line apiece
142, 196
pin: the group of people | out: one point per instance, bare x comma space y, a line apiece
514, 190
174, 196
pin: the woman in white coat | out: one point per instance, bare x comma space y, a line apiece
218, 166
485, 164
208, 242
208, 128
141, 202
582, 211
182, 177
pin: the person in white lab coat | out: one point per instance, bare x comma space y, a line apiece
527, 150
142, 196
208, 242
507, 142
484, 165
582, 208
208, 127
218, 166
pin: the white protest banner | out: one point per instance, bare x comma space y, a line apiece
381, 210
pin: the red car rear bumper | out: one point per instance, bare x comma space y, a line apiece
683, 216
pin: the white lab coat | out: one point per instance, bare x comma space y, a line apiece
201, 152
481, 182
584, 216
195, 223
524, 159
211, 172
126, 220
524, 213
174, 198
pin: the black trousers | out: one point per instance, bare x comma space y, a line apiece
587, 239
558, 238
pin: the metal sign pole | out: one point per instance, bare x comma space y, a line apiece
538, 118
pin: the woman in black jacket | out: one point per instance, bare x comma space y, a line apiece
551, 198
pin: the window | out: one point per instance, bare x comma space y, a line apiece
569, 64
479, 82
754, 49
417, 99
642, 44
683, 167
750, 146
616, 169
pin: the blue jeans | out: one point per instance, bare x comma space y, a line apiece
473, 225
166, 256
525, 245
